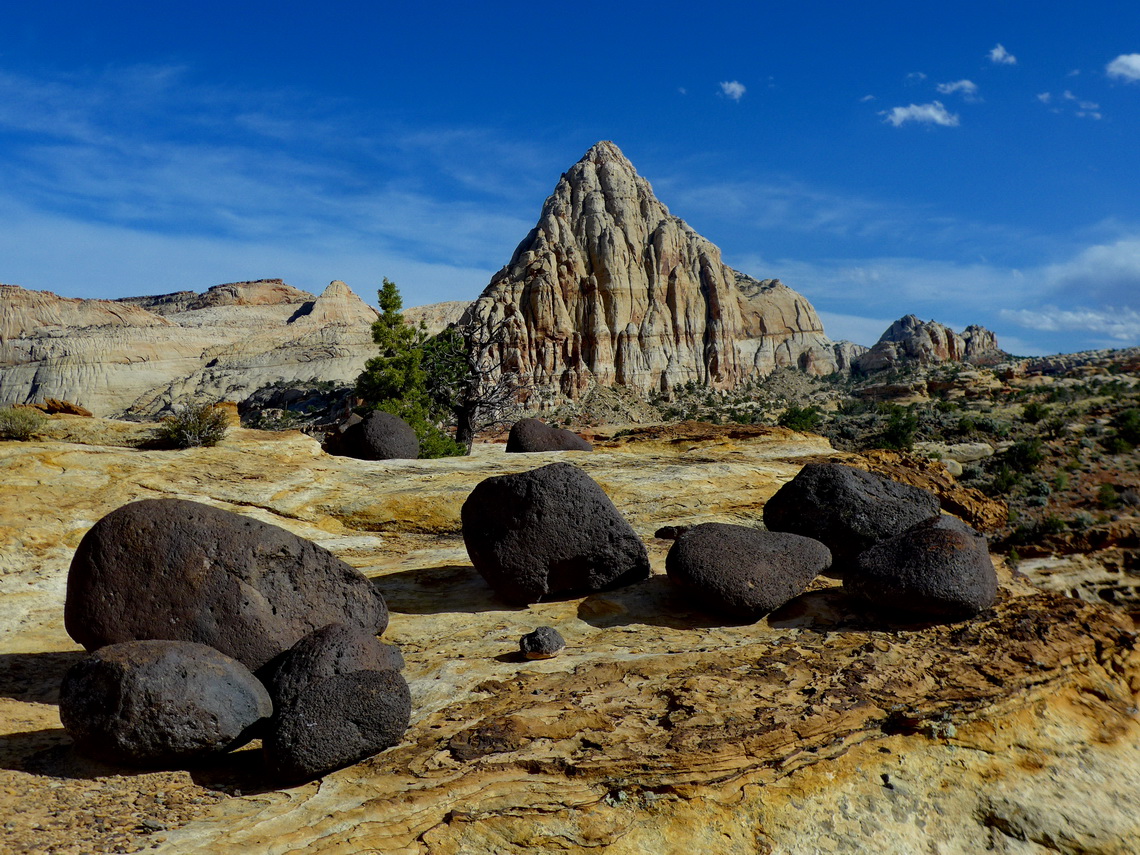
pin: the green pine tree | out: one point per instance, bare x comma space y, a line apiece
395, 380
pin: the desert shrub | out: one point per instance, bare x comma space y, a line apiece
1107, 497
801, 418
1061, 481
1024, 455
902, 425
1004, 480
1033, 412
195, 426
20, 422
1127, 426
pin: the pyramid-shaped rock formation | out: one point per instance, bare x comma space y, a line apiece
611, 289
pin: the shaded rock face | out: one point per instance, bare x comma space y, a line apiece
154, 702
548, 533
139, 356
531, 435
379, 436
847, 509
179, 570
940, 568
610, 289
334, 722
744, 572
910, 341
330, 651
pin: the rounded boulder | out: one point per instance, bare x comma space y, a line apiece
549, 532
533, 435
744, 572
938, 569
380, 436
847, 509
336, 721
148, 703
180, 570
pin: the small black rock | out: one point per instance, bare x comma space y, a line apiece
544, 643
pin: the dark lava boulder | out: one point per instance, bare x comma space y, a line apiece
530, 435
336, 721
331, 650
174, 569
147, 703
380, 436
940, 568
847, 509
744, 572
545, 642
549, 532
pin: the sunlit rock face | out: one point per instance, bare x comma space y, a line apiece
142, 355
610, 289
912, 341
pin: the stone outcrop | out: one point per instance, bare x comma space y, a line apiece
658, 729
909, 341
609, 288
141, 355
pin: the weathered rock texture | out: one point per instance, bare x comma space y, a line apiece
140, 355
813, 730
531, 435
610, 288
744, 572
911, 341
152, 702
185, 571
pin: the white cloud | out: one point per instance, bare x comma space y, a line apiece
1119, 325
1000, 56
682, 90
1045, 97
733, 89
933, 113
1125, 67
966, 88
915, 77
866, 98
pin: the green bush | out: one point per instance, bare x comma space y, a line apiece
902, 426
20, 422
196, 426
1107, 497
803, 419
1034, 412
1023, 456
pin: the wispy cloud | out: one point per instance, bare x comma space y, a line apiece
1125, 67
1119, 325
966, 88
1067, 100
1000, 56
733, 89
933, 113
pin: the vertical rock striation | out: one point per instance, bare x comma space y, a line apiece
611, 289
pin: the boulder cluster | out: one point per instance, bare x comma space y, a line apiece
207, 628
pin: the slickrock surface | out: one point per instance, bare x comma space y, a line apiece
141, 354
610, 288
658, 729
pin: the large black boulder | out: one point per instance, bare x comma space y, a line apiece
149, 703
379, 436
531, 435
549, 532
329, 651
336, 721
847, 509
744, 572
939, 569
174, 569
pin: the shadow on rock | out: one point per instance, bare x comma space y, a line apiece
35, 677
655, 601
835, 610
435, 590
237, 773
19, 751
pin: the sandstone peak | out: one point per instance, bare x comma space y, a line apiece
910, 340
610, 289
336, 305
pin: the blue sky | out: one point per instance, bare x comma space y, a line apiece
967, 162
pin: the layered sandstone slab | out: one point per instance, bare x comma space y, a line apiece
658, 729
610, 288
141, 355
